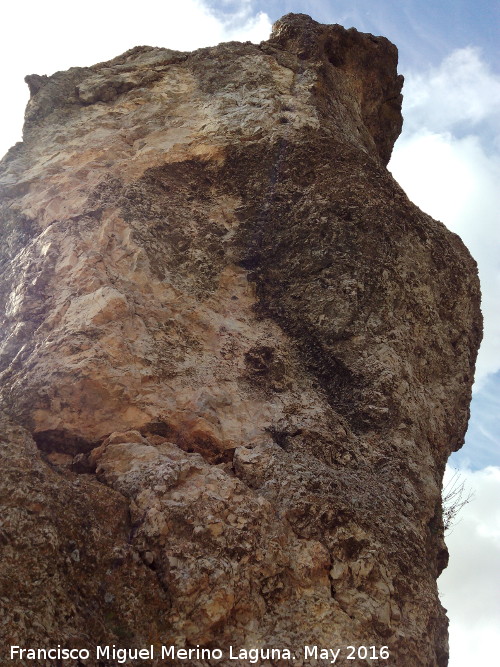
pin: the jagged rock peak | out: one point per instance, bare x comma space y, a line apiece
234, 357
371, 61
334, 56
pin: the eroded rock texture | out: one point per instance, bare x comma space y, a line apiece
243, 355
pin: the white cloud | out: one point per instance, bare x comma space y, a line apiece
44, 37
448, 161
240, 21
462, 90
470, 586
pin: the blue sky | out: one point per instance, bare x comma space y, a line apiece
447, 160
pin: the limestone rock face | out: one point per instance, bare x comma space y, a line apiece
234, 357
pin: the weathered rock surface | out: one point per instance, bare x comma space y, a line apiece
243, 355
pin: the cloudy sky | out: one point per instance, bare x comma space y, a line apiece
447, 160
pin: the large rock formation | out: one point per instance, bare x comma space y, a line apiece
234, 359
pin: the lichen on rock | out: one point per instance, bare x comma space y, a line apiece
234, 357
